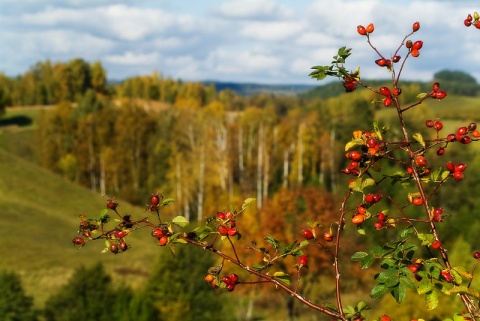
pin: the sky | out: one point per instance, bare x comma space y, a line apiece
254, 41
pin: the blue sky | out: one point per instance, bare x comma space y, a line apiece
262, 41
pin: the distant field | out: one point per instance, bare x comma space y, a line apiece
39, 214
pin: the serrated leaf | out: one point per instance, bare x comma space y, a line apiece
272, 241
419, 138
247, 202
367, 261
357, 256
351, 144
180, 221
378, 290
399, 292
431, 300
167, 201
424, 287
368, 182
462, 271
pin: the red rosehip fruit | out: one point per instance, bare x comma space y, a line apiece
358, 219
234, 278
328, 237
440, 94
114, 248
78, 240
438, 125
421, 161
440, 151
387, 102
163, 241
302, 261
370, 28
228, 215
120, 233
111, 204
232, 231
222, 229
308, 234
416, 26
417, 45
154, 199
361, 30
476, 255
385, 91
123, 246
220, 216
379, 225
385, 318
458, 176
157, 233
436, 244
429, 123
450, 166
417, 201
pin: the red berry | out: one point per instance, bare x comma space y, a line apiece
227, 280
472, 127
78, 240
415, 53
438, 125
436, 86
361, 30
369, 198
123, 246
414, 267
462, 130
154, 199
354, 156
371, 142
358, 219
396, 58
450, 166
370, 28
385, 91
234, 278
222, 229
458, 176
421, 161
429, 123
163, 241
230, 287
436, 244
467, 23
476, 255
446, 276
308, 234
111, 204
381, 62
417, 45
416, 26
417, 201
361, 210
469, 17
451, 137
377, 198
440, 151
440, 94
228, 215
379, 225
328, 237
437, 218
302, 260
387, 102
114, 248
397, 91
157, 233
381, 216
120, 233
353, 165
466, 140
220, 216
438, 210
232, 231
385, 318
460, 167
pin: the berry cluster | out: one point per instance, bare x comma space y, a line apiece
228, 225
414, 47
472, 20
456, 170
436, 92
230, 281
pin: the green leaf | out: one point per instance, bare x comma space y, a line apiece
426, 239
424, 287
379, 290
462, 271
419, 138
180, 221
367, 261
353, 143
368, 182
167, 201
431, 300
272, 241
399, 292
421, 95
358, 256
247, 202
282, 277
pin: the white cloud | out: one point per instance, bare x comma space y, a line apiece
130, 58
253, 9
272, 31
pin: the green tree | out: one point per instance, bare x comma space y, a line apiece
15, 305
87, 296
178, 297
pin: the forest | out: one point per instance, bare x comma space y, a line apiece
209, 148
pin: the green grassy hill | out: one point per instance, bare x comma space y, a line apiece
39, 218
